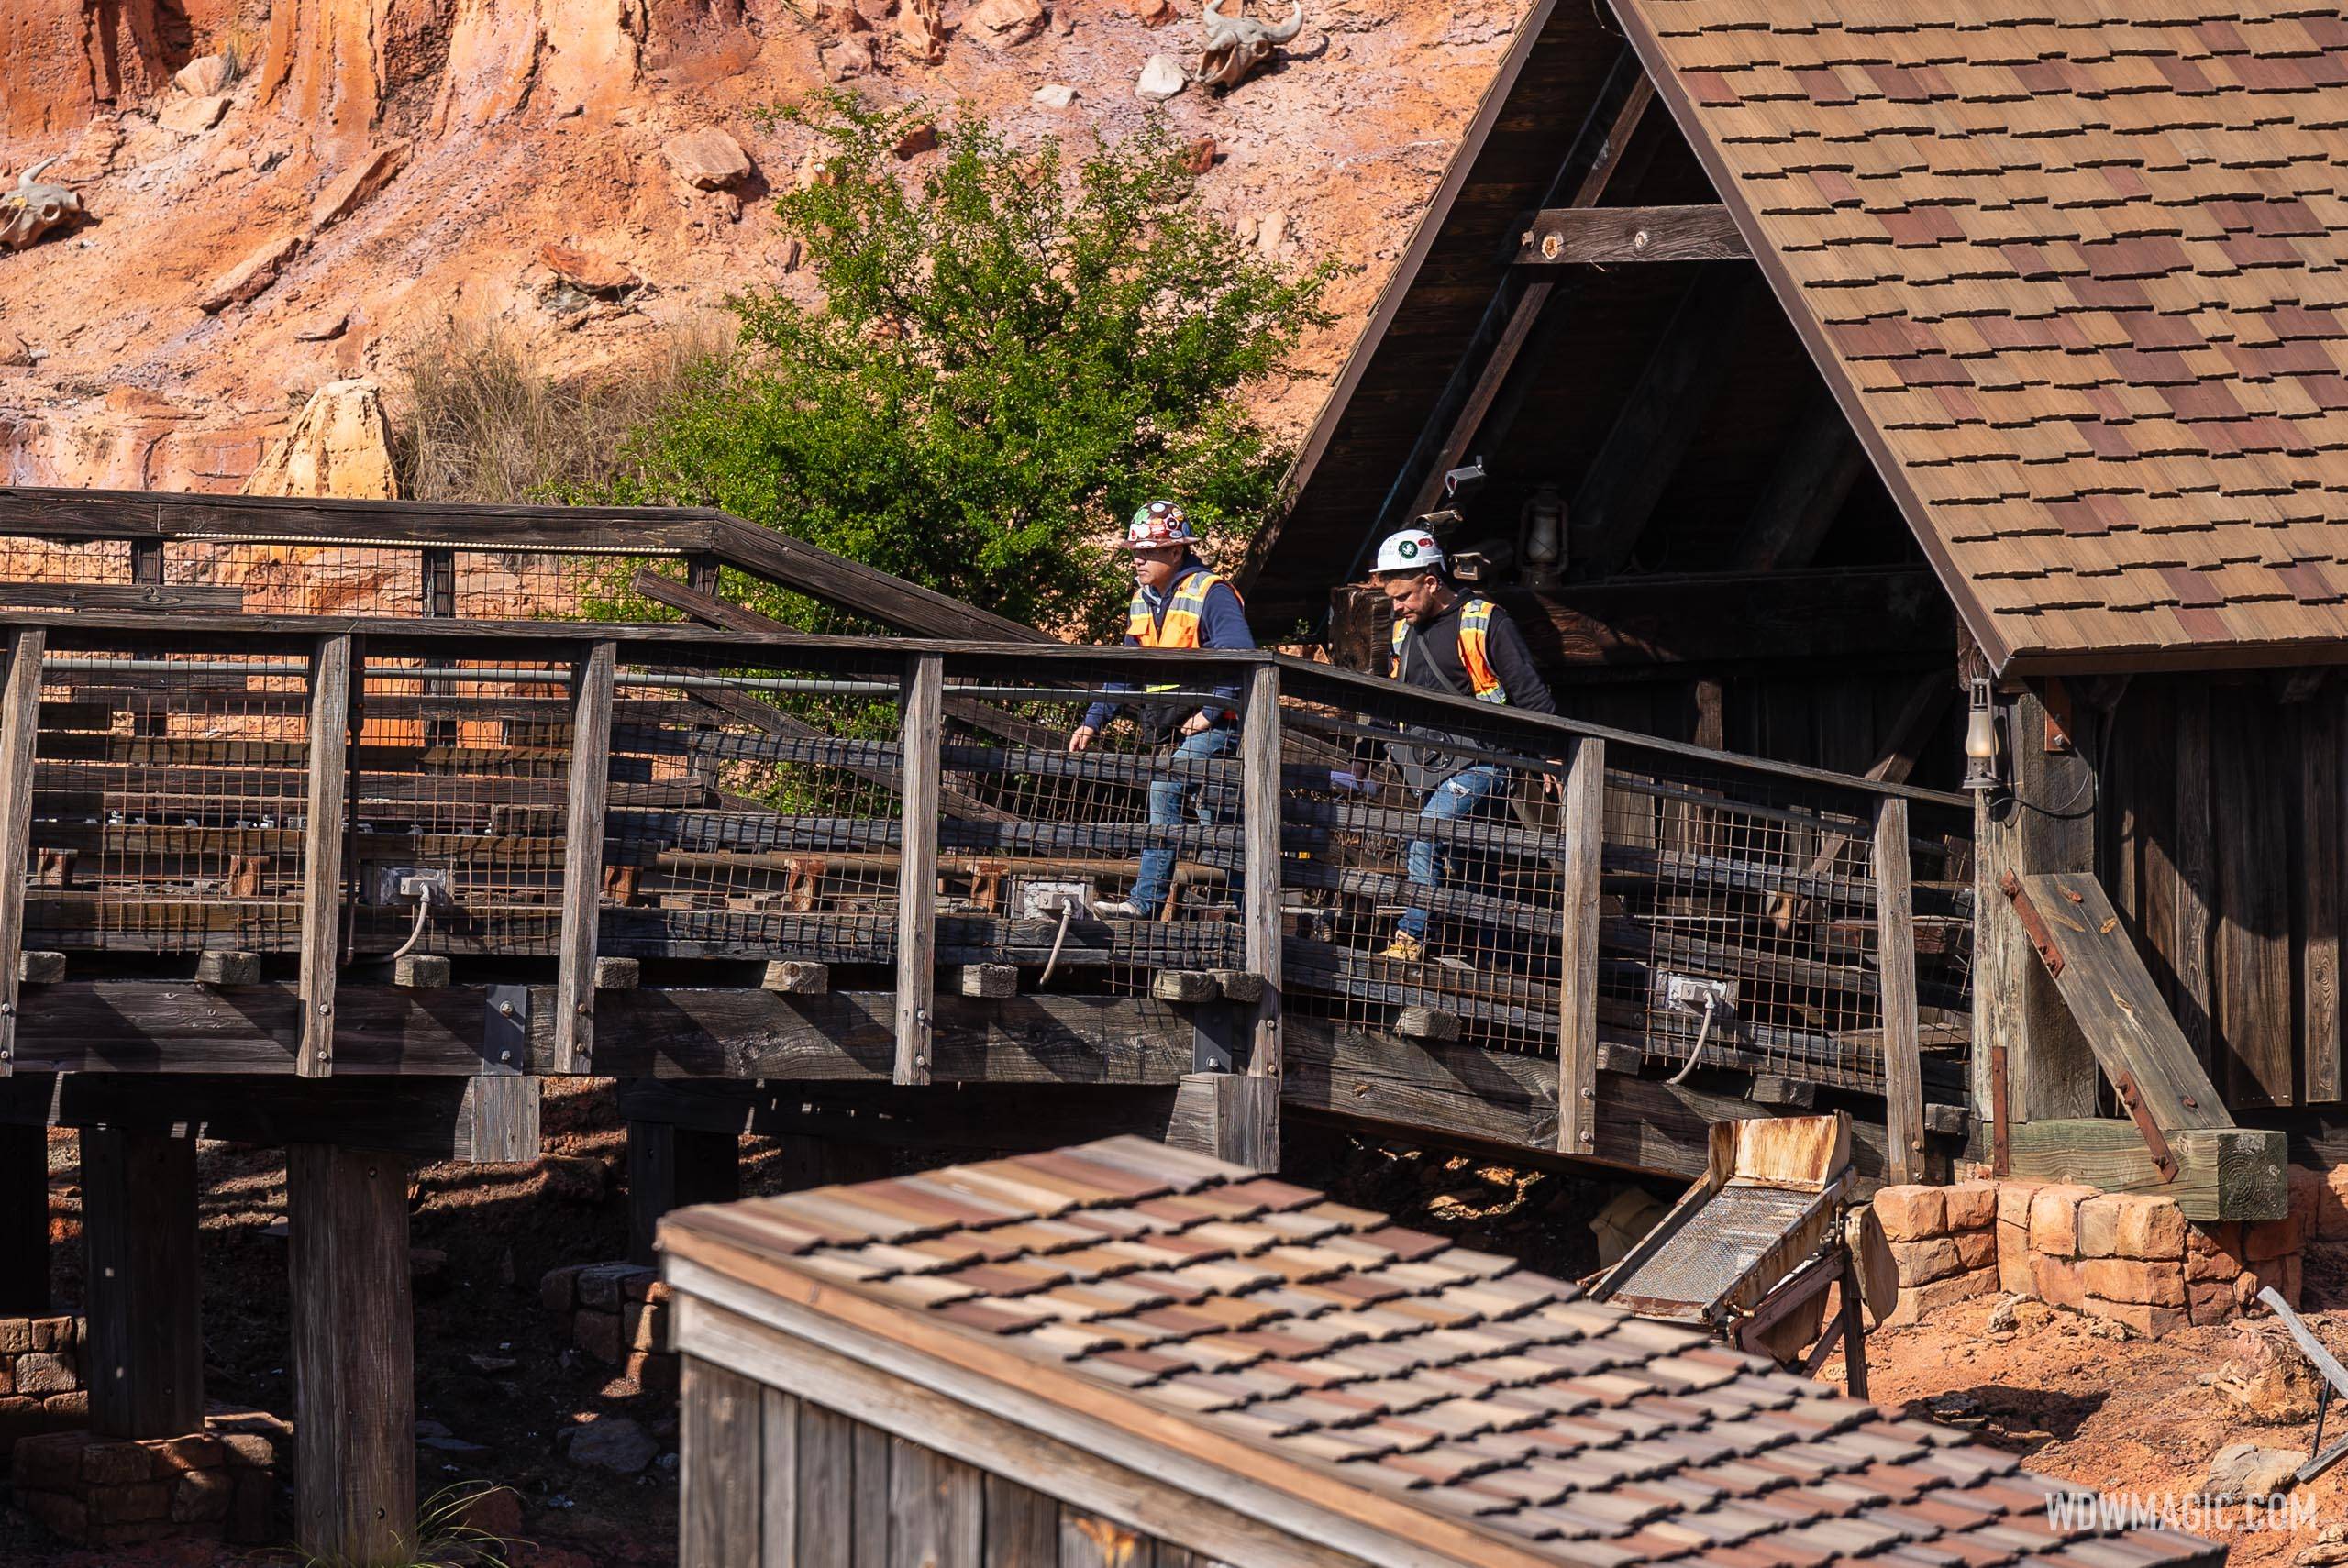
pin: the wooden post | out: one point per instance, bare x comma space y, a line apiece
923, 711
144, 1360
354, 1355
24, 1221
1228, 1116
322, 844
1895, 963
583, 858
1584, 823
702, 573
437, 569
146, 561
725, 1472
20, 727
1260, 811
672, 1167
2051, 1073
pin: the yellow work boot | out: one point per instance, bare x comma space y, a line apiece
1405, 948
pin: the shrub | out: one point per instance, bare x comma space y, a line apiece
1016, 350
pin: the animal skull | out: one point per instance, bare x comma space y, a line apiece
32, 209
1237, 47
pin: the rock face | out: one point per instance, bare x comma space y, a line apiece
585, 272
341, 445
393, 163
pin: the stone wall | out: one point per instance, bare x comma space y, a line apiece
2131, 1257
615, 1313
217, 1485
41, 1389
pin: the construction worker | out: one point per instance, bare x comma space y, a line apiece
1177, 602
1458, 643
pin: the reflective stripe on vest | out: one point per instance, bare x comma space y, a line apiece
1179, 626
1475, 651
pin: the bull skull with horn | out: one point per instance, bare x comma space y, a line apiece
32, 209
1237, 47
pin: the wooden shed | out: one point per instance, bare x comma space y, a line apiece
1121, 1353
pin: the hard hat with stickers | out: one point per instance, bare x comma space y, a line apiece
1412, 550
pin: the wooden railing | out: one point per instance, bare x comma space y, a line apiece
666, 806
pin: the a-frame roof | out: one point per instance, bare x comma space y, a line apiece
2076, 278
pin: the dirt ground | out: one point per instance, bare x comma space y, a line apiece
2115, 1415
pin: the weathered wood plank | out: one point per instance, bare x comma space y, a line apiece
842, 1114
2317, 851
779, 1487
936, 1509
1565, 236
826, 1456
1259, 749
720, 1448
2191, 953
353, 1353
1088, 1540
432, 1118
2117, 1007
1022, 1525
328, 790
1584, 820
1903, 1073
120, 596
19, 720
582, 859
1231, 1116
920, 738
2224, 1173
144, 1357
2253, 935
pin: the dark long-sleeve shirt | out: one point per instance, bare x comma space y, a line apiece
1438, 640
1222, 623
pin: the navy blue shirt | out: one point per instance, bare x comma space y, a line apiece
1221, 625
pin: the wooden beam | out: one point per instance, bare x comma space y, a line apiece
480, 1120
672, 1168
1230, 1116
920, 741
1465, 402
583, 858
144, 1362
1584, 819
2223, 1173
1658, 420
24, 1221
843, 1113
1903, 1072
353, 1354
1260, 814
1813, 476
20, 727
120, 596
1598, 235
1868, 613
325, 793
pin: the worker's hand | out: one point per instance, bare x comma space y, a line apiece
1081, 738
1549, 782
1197, 725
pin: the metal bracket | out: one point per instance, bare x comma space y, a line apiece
2133, 1099
2034, 924
506, 1030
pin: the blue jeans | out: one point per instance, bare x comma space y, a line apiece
1166, 796
1455, 797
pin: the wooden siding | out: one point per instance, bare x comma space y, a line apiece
2220, 820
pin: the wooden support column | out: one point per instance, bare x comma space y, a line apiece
24, 1221
1262, 806
437, 568
1585, 831
20, 727
144, 1359
2051, 1072
353, 1355
923, 715
582, 859
331, 678
674, 1167
730, 1465
702, 573
1895, 955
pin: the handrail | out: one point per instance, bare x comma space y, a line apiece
85, 515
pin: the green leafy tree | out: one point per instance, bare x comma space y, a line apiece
1015, 351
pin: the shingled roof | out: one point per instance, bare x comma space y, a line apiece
1335, 1355
2076, 277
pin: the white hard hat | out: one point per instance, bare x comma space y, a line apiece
1412, 550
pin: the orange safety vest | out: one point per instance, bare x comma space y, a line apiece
1475, 651
1179, 626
